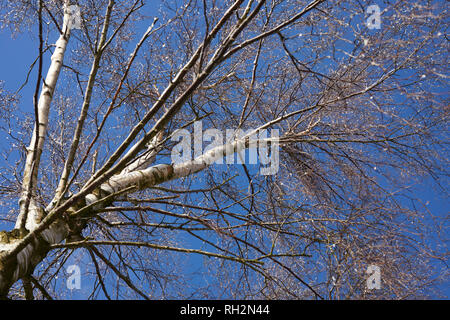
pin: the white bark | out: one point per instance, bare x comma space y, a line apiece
31, 167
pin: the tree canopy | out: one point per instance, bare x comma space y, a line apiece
345, 101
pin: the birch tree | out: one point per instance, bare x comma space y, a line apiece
360, 103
